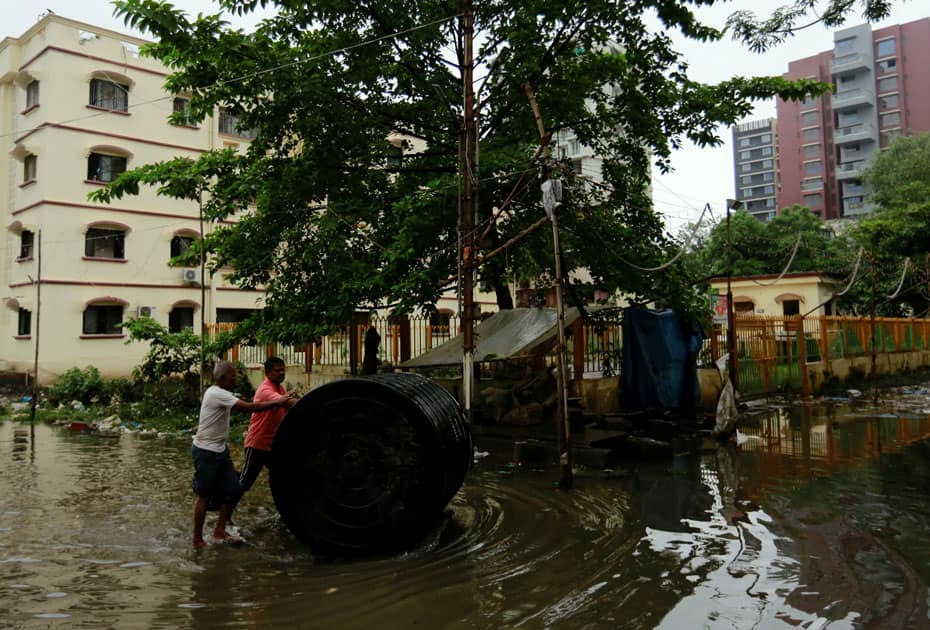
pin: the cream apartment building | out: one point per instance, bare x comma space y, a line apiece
78, 105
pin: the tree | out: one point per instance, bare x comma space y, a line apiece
337, 222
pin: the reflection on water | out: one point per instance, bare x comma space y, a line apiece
817, 518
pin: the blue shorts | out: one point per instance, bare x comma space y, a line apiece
215, 476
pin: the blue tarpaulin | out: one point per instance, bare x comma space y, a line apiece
659, 363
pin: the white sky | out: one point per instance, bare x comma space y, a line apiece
701, 175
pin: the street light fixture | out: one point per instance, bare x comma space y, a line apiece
732, 204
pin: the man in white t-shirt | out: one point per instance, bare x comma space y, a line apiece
214, 473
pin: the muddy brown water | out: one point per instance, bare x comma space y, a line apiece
818, 518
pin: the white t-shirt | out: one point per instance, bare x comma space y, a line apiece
213, 428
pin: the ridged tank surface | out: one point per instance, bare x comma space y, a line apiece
367, 465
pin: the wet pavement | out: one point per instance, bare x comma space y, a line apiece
817, 518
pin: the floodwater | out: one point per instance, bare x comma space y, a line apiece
818, 518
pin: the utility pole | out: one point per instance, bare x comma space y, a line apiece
467, 205
733, 204
551, 196
35, 365
203, 293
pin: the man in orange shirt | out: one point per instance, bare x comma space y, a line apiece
263, 424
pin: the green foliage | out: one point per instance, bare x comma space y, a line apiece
76, 384
334, 227
169, 353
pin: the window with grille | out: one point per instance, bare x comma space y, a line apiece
24, 326
104, 168
111, 95
105, 243
26, 244
181, 318
32, 94
180, 245
230, 125
102, 319
29, 168
182, 109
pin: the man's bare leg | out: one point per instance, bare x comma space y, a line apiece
200, 515
219, 532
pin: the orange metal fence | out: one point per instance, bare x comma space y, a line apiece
773, 351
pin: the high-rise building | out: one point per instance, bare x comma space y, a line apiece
78, 106
755, 156
881, 82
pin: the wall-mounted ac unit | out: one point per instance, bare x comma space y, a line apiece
145, 311
190, 276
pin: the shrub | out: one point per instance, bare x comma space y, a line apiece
76, 384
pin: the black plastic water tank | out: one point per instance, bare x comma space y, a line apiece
367, 465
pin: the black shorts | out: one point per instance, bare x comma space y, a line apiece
215, 476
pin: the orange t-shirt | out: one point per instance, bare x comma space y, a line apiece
264, 424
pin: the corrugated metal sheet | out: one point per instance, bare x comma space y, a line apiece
504, 335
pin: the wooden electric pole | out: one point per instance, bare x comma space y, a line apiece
467, 200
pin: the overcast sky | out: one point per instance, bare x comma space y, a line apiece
701, 175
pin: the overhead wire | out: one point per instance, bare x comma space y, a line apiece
907, 262
794, 253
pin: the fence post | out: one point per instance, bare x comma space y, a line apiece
579, 343
308, 358
824, 342
271, 349
354, 348
404, 329
802, 358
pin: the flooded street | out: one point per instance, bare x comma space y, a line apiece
819, 518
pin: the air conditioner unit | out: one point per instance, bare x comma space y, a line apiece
145, 311
190, 276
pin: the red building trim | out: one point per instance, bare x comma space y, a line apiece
131, 285
108, 135
74, 53
69, 204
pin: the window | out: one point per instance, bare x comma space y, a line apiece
889, 101
29, 168
26, 242
844, 46
766, 138
768, 190
181, 318
232, 315
811, 135
180, 245
891, 120
745, 168
744, 142
888, 84
791, 307
847, 78
887, 66
182, 108
810, 118
813, 201
885, 48
769, 203
230, 125
103, 319
766, 163
889, 136
812, 151
104, 168
808, 101
439, 323
110, 95
768, 176
812, 168
24, 327
847, 118
32, 94
746, 179
745, 155
766, 151
395, 155
105, 243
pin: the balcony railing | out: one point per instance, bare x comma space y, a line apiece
849, 63
857, 96
812, 185
854, 133
850, 170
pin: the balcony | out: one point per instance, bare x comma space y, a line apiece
850, 63
856, 133
852, 98
850, 170
853, 190
856, 206
812, 184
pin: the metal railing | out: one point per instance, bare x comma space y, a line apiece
773, 351
594, 345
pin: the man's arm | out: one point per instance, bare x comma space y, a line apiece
250, 407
